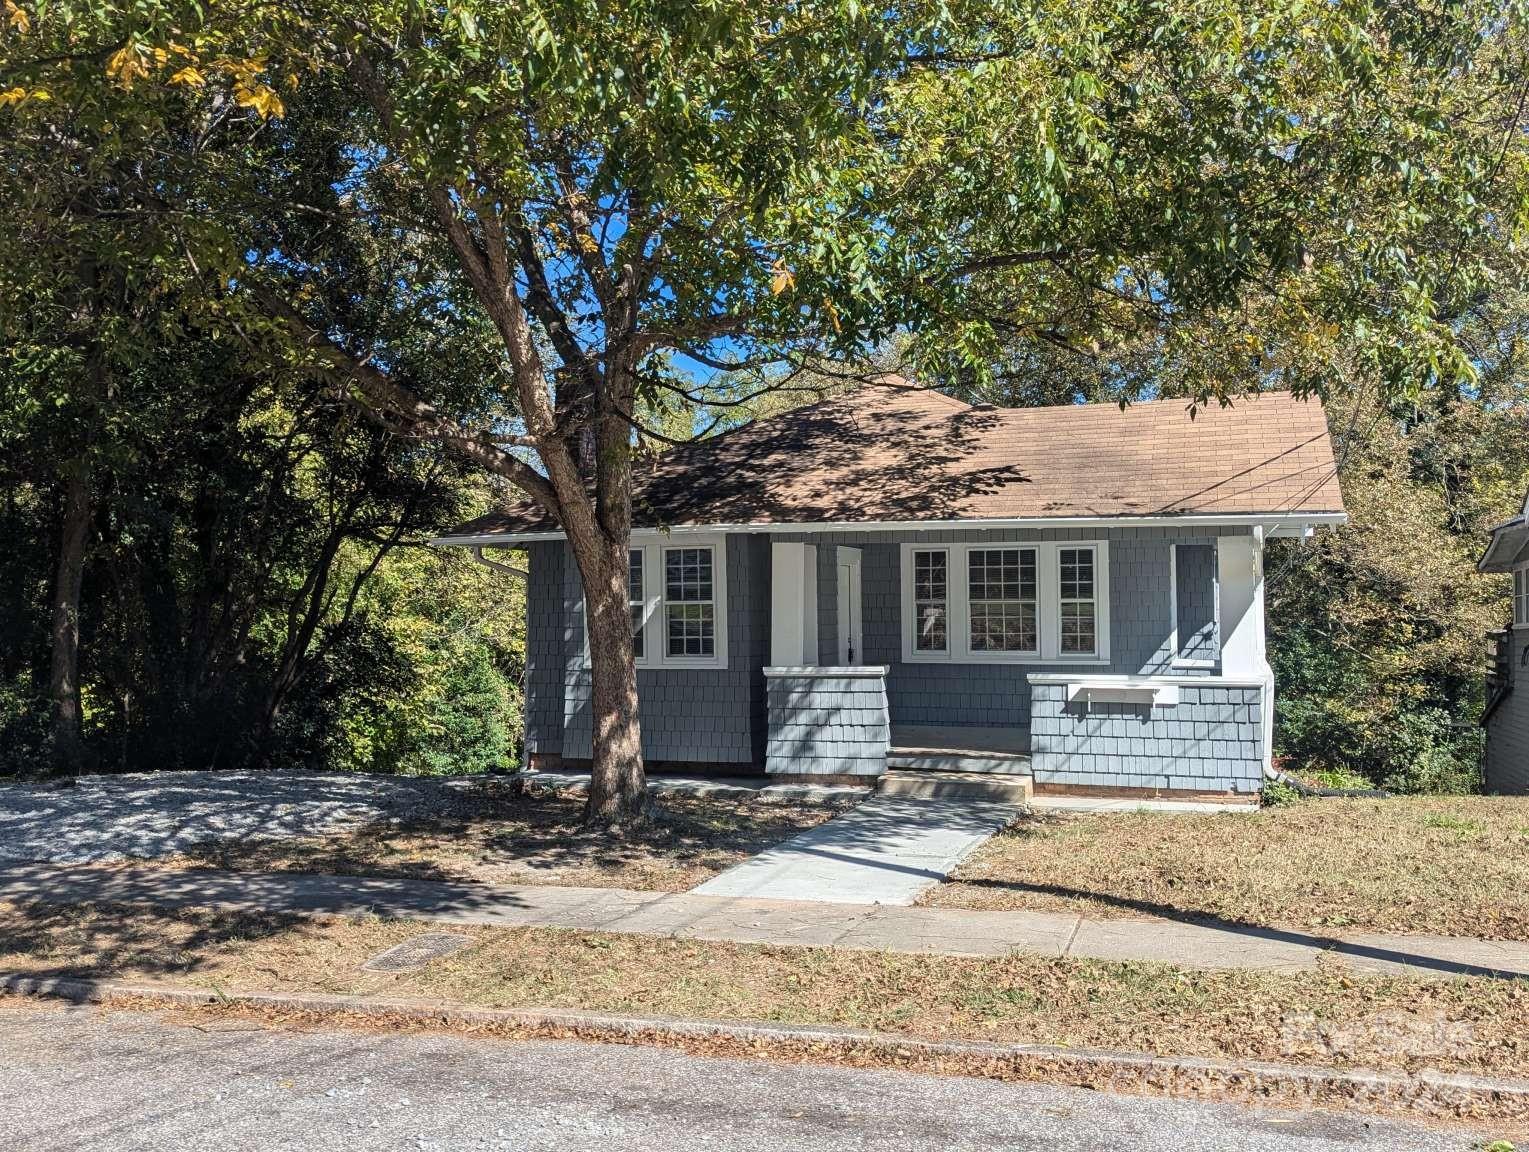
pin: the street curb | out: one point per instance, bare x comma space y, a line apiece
1428, 1092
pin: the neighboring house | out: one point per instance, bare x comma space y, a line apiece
1506, 716
895, 578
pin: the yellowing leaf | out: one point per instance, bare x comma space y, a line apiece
21, 96
18, 19
833, 313
587, 243
262, 99
781, 278
125, 65
189, 76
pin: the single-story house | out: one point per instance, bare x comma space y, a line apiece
1506, 716
894, 578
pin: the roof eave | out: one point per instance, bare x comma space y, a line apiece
1278, 523
1509, 540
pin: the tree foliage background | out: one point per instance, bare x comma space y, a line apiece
282, 284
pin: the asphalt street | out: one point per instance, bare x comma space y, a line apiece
83, 1078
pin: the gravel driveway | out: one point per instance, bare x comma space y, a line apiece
105, 818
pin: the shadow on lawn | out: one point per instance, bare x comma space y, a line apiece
1252, 931
108, 941
539, 833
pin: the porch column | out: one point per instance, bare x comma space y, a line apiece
1240, 566
1240, 570
793, 604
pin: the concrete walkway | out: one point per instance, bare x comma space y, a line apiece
885, 851
688, 915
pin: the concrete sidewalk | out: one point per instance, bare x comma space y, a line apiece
884, 851
688, 915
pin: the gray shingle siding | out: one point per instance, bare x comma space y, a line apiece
1507, 756
827, 725
702, 715
546, 622
998, 695
1212, 740
1195, 593
723, 715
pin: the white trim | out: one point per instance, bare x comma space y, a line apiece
649, 600
1123, 681
867, 671
1048, 607
1174, 659
908, 611
1521, 597
1274, 521
718, 659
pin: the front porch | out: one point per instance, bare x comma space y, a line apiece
1166, 700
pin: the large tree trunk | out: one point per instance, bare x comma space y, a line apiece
618, 785
68, 750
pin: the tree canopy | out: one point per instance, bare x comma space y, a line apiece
598, 204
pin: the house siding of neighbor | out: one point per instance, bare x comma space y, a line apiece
1506, 767
1507, 725
1075, 593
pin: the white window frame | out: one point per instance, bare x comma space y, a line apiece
1521, 596
1175, 659
654, 619
958, 610
910, 606
648, 602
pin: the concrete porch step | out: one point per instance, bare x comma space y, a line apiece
940, 784
959, 760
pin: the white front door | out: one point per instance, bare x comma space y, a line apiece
851, 644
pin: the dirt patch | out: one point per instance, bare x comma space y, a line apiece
1450, 866
1329, 1017
499, 834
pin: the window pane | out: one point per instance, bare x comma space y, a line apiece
687, 574
634, 577
1078, 628
1004, 626
691, 629
1077, 573
930, 585
1194, 591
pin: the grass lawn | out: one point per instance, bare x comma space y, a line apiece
1456, 866
1327, 1017
495, 835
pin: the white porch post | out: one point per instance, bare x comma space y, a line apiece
793, 604
1240, 568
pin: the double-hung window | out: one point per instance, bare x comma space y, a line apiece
690, 605
1006, 603
1078, 604
675, 595
636, 581
1521, 597
931, 600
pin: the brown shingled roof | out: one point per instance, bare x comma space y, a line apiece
899, 453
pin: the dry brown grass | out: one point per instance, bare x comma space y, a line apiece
497, 835
1326, 1017
1452, 866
